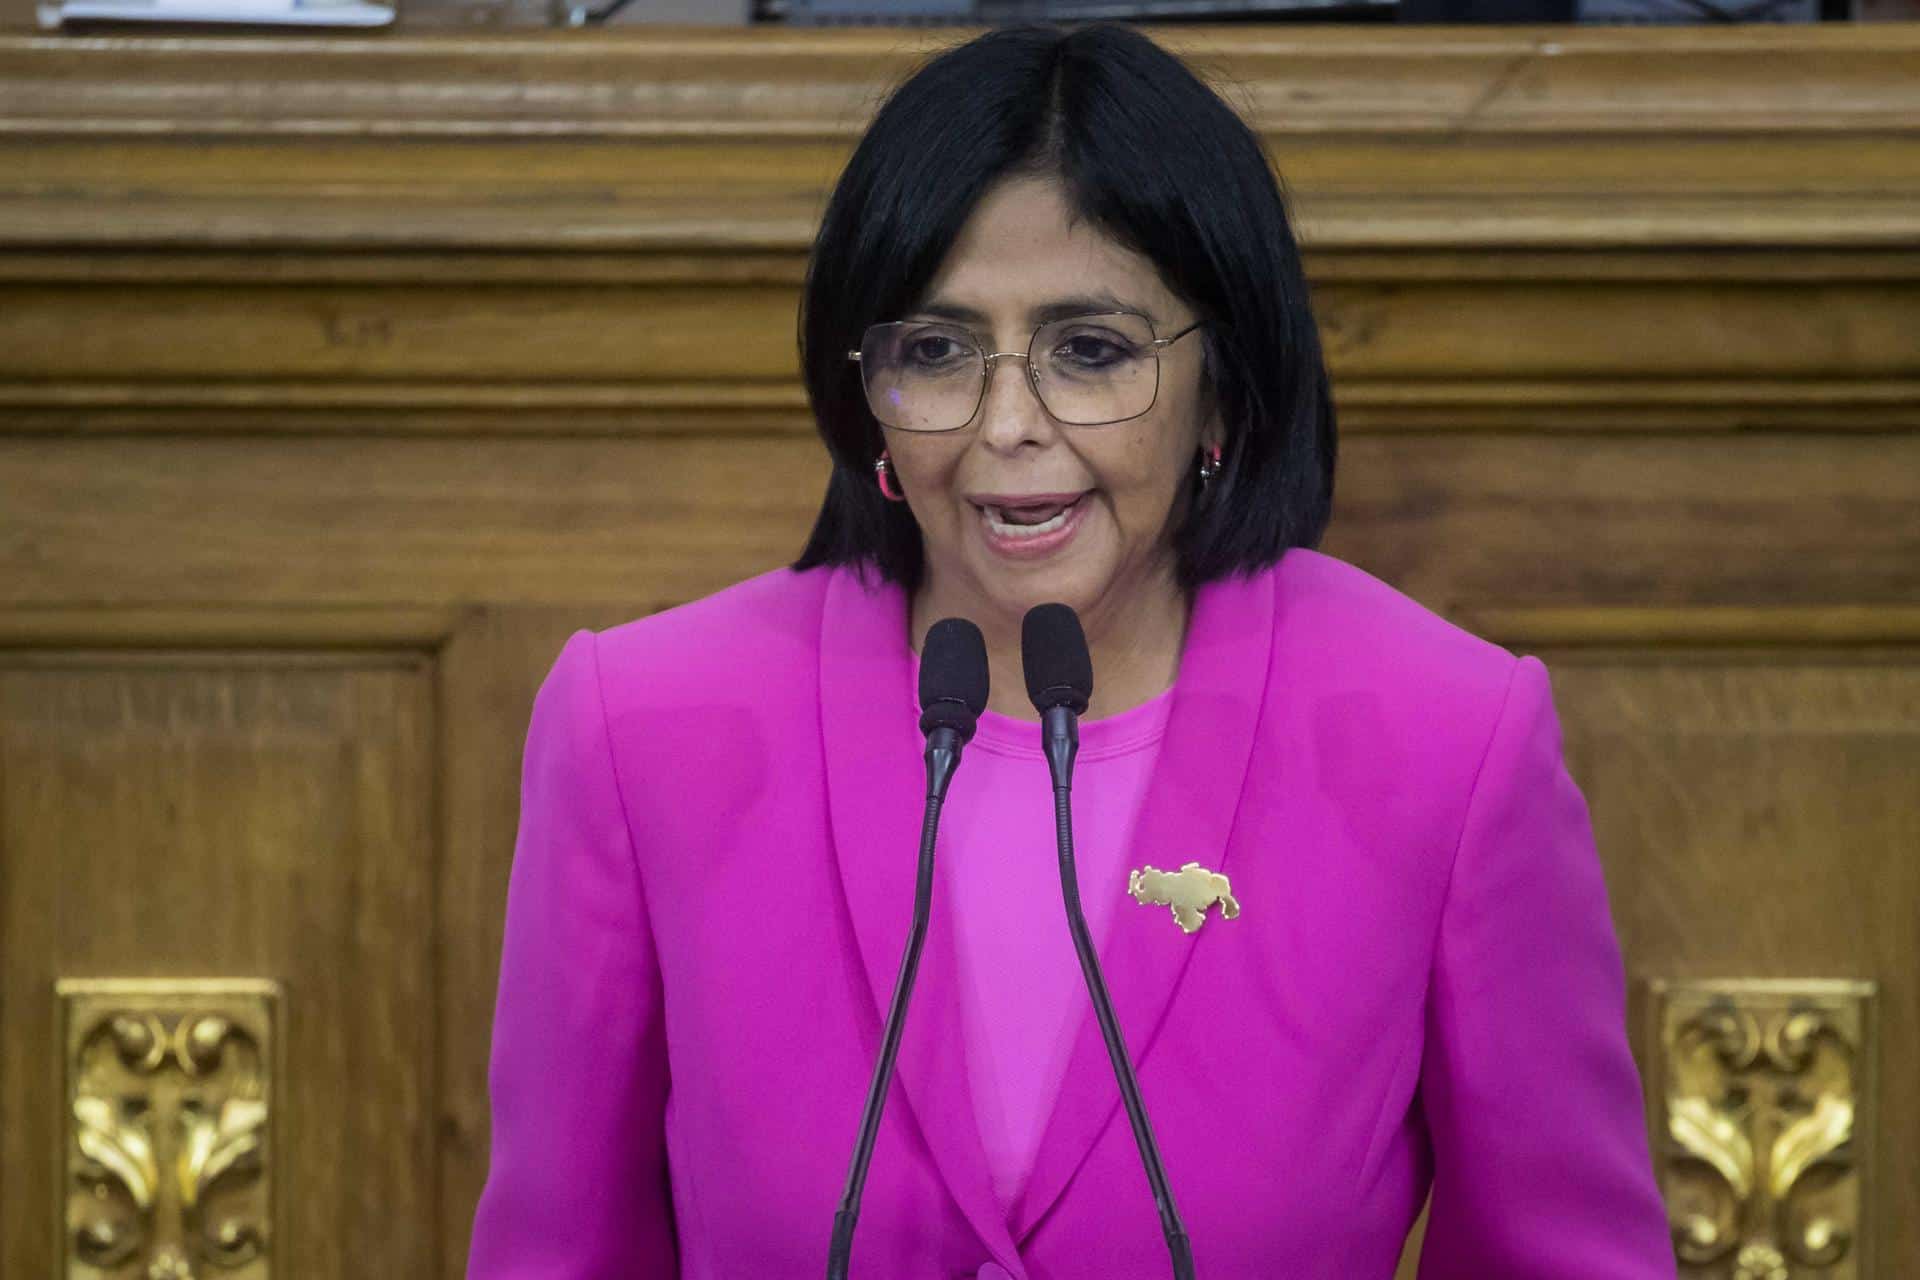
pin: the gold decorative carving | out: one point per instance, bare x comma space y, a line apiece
1762, 1104
166, 1166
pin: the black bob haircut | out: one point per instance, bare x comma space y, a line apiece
1150, 156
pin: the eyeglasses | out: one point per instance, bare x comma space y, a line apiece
925, 375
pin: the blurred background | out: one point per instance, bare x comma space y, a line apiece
351, 356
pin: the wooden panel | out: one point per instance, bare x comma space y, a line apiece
380, 333
361, 521
219, 816
812, 83
1554, 345
1756, 815
1458, 521
1627, 229
1572, 519
651, 139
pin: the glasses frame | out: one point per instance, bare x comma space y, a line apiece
987, 359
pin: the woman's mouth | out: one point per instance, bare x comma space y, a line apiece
1030, 526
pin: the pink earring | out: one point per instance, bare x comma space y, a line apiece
889, 483
1209, 464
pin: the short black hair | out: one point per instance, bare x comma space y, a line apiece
1153, 158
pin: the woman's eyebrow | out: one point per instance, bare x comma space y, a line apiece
949, 311
1086, 304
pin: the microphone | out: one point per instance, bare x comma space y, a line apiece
1059, 670
953, 693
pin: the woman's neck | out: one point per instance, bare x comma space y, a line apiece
1135, 638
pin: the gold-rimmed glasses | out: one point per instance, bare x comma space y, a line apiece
1090, 370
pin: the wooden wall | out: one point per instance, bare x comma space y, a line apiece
340, 379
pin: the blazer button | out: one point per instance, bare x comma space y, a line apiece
992, 1271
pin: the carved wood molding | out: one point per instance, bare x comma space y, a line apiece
653, 140
1763, 1100
1591, 230
792, 83
1720, 628
228, 627
169, 1158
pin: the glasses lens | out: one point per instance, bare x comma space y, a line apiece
921, 376
1095, 369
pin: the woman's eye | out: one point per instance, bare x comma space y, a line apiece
932, 350
1091, 351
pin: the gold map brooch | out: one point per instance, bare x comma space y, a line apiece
1189, 891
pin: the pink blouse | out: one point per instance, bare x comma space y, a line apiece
1022, 995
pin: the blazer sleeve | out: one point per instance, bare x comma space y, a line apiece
1531, 1098
577, 1188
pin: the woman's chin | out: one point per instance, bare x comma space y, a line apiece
1073, 573
1066, 582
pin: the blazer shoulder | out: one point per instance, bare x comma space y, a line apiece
1402, 678
1386, 692
754, 638
1378, 635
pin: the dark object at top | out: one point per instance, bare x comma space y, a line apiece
953, 677
1053, 649
993, 12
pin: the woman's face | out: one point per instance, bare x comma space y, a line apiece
1102, 497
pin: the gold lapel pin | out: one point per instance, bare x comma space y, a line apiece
1188, 891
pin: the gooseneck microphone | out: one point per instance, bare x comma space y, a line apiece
953, 693
1059, 672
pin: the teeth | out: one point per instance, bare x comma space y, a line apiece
1002, 528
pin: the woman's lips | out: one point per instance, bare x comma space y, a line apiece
1011, 530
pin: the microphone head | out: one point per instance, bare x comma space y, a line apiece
953, 677
1053, 649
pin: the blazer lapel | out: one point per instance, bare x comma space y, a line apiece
876, 784
1187, 815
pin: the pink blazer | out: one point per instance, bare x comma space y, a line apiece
712, 890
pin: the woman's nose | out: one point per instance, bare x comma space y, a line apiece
1010, 410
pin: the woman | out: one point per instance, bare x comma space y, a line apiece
1057, 340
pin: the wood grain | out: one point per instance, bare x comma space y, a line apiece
353, 521
1457, 521
1758, 818
183, 818
262, 633
1570, 519
816, 83
1595, 228
721, 140
1418, 353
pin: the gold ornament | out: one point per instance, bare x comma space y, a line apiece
1188, 891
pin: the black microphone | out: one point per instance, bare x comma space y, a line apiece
953, 693
1053, 649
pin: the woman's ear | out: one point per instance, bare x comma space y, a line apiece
1213, 432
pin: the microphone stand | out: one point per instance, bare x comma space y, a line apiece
943, 755
1060, 731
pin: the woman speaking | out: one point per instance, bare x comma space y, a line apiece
1057, 340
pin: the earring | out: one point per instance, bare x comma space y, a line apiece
889, 483
1209, 464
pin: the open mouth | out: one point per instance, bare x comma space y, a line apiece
1032, 519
